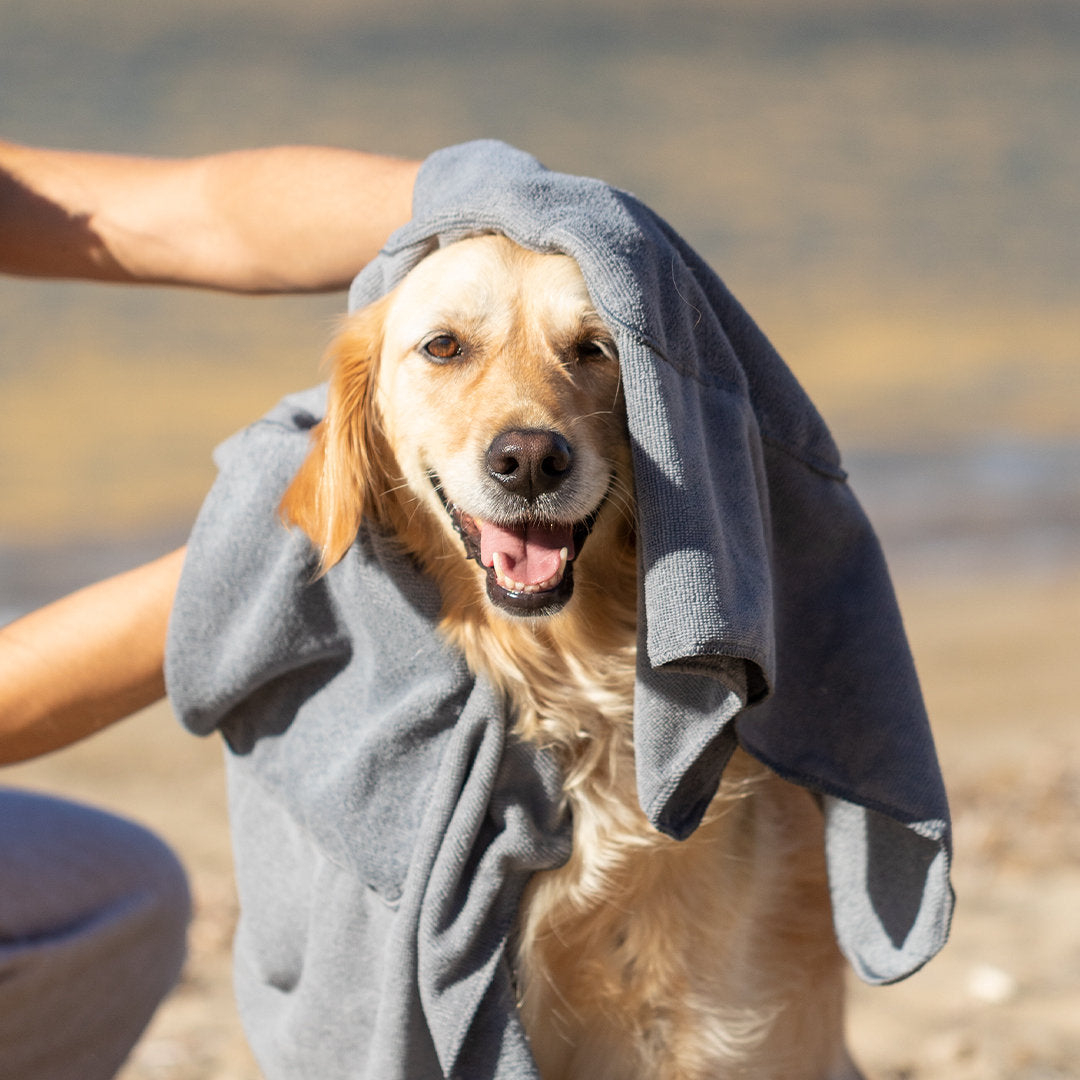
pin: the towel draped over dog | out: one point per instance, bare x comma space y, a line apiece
386, 822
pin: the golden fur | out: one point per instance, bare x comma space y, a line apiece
642, 957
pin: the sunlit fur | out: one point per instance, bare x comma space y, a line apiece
642, 957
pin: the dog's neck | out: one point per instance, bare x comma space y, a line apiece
546, 666
568, 679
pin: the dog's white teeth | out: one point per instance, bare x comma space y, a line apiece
506, 582
501, 565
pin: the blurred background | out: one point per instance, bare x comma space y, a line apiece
892, 189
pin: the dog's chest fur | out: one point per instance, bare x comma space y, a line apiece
480, 403
643, 956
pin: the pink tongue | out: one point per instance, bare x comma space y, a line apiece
531, 551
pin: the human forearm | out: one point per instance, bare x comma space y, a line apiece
91, 658
283, 219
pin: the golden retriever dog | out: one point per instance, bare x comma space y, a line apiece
476, 412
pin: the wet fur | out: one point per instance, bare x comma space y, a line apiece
642, 957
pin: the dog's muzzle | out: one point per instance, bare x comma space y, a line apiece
529, 564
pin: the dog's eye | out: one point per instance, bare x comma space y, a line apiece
442, 347
594, 349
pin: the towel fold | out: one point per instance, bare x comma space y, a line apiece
386, 824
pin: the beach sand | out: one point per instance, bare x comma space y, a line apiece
1001, 1001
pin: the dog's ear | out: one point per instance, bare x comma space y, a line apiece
345, 476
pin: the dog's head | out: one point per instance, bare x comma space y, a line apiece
482, 394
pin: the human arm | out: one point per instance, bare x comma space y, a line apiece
79, 664
279, 219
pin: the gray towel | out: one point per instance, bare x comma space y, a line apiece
385, 823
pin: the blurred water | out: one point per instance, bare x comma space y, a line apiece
889, 137
32, 575
1006, 507
863, 152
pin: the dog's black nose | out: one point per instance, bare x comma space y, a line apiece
529, 462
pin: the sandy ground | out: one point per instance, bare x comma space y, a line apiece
1002, 1001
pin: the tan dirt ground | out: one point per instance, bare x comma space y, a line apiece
1002, 1001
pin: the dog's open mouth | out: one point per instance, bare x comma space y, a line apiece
529, 564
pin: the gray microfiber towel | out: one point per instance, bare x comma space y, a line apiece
386, 822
